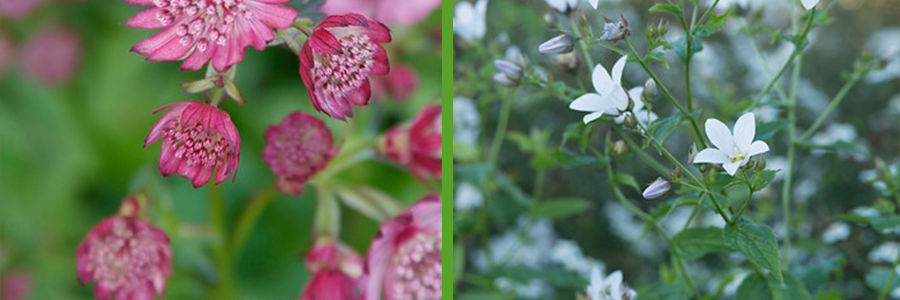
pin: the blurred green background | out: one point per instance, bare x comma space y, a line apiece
70, 152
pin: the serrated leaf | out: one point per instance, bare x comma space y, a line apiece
757, 243
560, 208
666, 8
762, 179
757, 287
696, 242
713, 25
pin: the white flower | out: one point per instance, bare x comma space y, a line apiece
594, 3
467, 197
610, 288
734, 150
886, 253
562, 5
610, 97
837, 231
808, 4
466, 121
468, 20
643, 115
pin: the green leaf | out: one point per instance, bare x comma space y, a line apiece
765, 131
628, 180
512, 189
762, 179
666, 8
555, 276
676, 291
565, 159
757, 287
815, 275
881, 223
680, 47
878, 278
714, 25
696, 242
524, 141
757, 243
660, 129
659, 56
561, 208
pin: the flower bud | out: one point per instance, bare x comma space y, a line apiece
614, 31
761, 164
568, 60
649, 89
619, 148
630, 120
658, 188
511, 70
676, 174
560, 44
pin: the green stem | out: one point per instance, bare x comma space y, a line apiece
500, 132
668, 94
834, 104
640, 152
290, 41
797, 51
248, 218
583, 44
708, 11
220, 251
749, 197
537, 191
762, 60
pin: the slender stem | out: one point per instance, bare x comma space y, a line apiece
749, 197
890, 281
797, 51
248, 218
668, 94
708, 10
500, 132
220, 251
640, 152
768, 70
537, 191
687, 62
290, 41
834, 103
792, 149
691, 217
583, 44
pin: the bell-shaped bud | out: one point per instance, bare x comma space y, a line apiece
658, 188
649, 89
512, 70
562, 43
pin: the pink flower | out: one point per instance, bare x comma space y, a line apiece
338, 57
404, 259
199, 31
197, 139
126, 257
399, 84
417, 147
16, 285
296, 149
399, 12
17, 9
337, 272
51, 56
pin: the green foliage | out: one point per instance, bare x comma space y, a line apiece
660, 129
879, 277
757, 287
694, 243
666, 8
560, 208
757, 243
713, 25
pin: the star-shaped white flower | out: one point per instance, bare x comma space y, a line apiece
610, 97
734, 150
562, 5
808, 4
468, 20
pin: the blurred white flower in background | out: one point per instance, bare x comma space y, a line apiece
609, 288
733, 150
884, 253
466, 121
562, 5
467, 197
469, 20
534, 289
837, 231
624, 225
885, 45
610, 97
568, 254
809, 4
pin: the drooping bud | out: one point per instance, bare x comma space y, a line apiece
658, 188
614, 31
562, 43
761, 164
649, 89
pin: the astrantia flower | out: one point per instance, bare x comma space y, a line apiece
404, 260
197, 140
418, 146
469, 20
809, 4
392, 12
337, 59
200, 31
126, 257
51, 56
734, 150
17, 284
296, 149
610, 97
609, 288
337, 272
17, 9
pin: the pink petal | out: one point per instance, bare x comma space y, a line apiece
149, 45
171, 51
380, 65
146, 19
360, 96
274, 15
324, 42
197, 59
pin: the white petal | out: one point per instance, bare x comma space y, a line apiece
719, 135
600, 79
480, 16
617, 70
464, 13
635, 95
594, 3
731, 167
591, 117
559, 5
757, 147
807, 4
614, 279
744, 131
588, 102
617, 98
711, 156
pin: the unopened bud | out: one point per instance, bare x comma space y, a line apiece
514, 55
619, 148
663, 28
649, 89
614, 31
568, 60
761, 164
512, 70
559, 44
631, 120
658, 188
676, 174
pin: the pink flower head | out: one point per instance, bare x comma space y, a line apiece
51, 56
404, 259
337, 272
197, 139
399, 12
16, 285
199, 31
126, 257
338, 57
399, 84
296, 149
417, 147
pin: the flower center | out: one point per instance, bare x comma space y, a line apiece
737, 156
198, 145
201, 22
123, 258
336, 74
417, 268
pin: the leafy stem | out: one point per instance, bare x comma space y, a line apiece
798, 49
